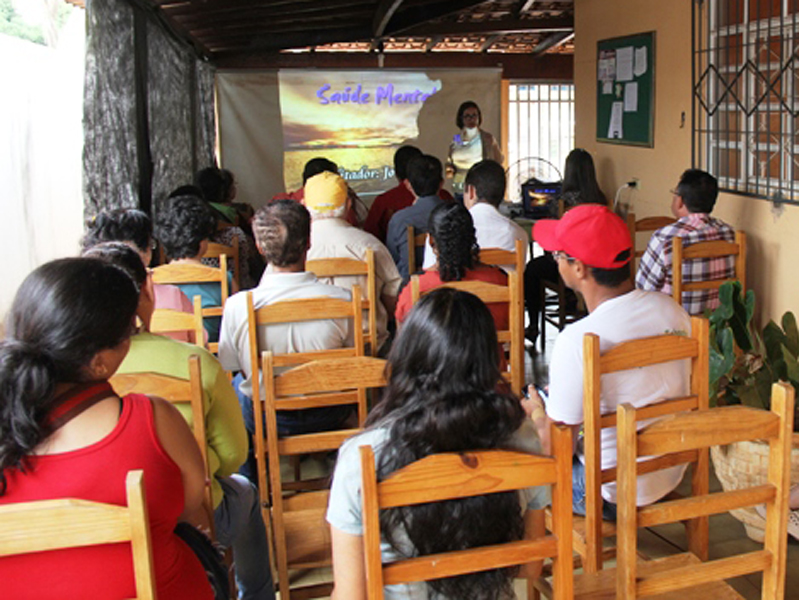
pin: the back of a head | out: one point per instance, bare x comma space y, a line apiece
183, 224
698, 190
122, 256
488, 179
326, 196
442, 396
452, 229
579, 175
186, 190
212, 184
401, 158
63, 314
121, 225
316, 166
282, 230
424, 175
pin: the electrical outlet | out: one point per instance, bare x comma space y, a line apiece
635, 183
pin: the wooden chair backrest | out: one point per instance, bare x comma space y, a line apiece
441, 477
415, 240
704, 250
71, 523
167, 320
644, 225
215, 250
505, 258
179, 392
682, 434
633, 355
334, 267
493, 293
301, 534
177, 273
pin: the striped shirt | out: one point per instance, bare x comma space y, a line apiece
654, 272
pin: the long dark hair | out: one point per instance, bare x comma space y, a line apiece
444, 394
64, 313
580, 176
452, 229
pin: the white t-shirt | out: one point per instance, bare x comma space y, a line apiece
344, 511
634, 315
493, 230
302, 336
335, 238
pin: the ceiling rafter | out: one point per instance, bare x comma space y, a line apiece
385, 11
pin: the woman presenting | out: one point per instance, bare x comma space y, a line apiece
470, 146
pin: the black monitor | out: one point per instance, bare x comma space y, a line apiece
540, 198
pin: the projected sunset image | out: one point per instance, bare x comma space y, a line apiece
356, 119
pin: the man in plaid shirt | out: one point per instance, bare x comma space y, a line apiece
691, 204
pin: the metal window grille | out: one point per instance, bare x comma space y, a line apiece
540, 125
745, 95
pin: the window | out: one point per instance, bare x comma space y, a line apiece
746, 100
540, 132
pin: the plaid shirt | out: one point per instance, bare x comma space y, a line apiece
654, 272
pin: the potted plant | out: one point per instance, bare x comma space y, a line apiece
744, 363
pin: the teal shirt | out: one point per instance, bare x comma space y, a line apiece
226, 436
211, 295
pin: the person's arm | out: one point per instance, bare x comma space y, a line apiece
535, 409
652, 270
225, 430
178, 442
534, 528
349, 572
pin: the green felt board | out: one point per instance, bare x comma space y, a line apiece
638, 128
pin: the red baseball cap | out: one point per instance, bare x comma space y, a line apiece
590, 233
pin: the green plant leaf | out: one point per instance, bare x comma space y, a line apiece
791, 365
791, 332
725, 309
755, 390
774, 340
722, 359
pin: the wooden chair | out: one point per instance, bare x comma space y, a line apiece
555, 309
414, 241
179, 392
645, 225
704, 250
442, 477
678, 436
215, 250
302, 537
71, 523
341, 267
590, 530
491, 293
506, 258
177, 273
167, 320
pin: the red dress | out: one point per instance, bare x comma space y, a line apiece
98, 472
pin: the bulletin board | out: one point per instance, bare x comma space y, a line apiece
625, 97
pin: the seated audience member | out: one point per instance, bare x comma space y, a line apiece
424, 177
332, 237
592, 247
443, 363
213, 186
455, 248
356, 213
483, 193
580, 186
237, 513
692, 202
134, 228
283, 230
397, 198
184, 228
66, 434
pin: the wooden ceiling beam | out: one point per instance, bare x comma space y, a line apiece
384, 13
495, 27
523, 6
488, 42
215, 8
284, 41
550, 42
343, 16
419, 14
434, 41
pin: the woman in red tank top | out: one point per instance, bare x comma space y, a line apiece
65, 434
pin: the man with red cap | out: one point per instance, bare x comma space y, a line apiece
592, 247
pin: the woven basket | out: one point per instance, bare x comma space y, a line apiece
745, 464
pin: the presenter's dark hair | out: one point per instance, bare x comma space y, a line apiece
316, 166
452, 229
282, 229
698, 190
445, 394
183, 225
401, 158
63, 314
120, 225
424, 175
488, 179
579, 176
463, 108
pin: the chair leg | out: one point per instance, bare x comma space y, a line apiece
542, 331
